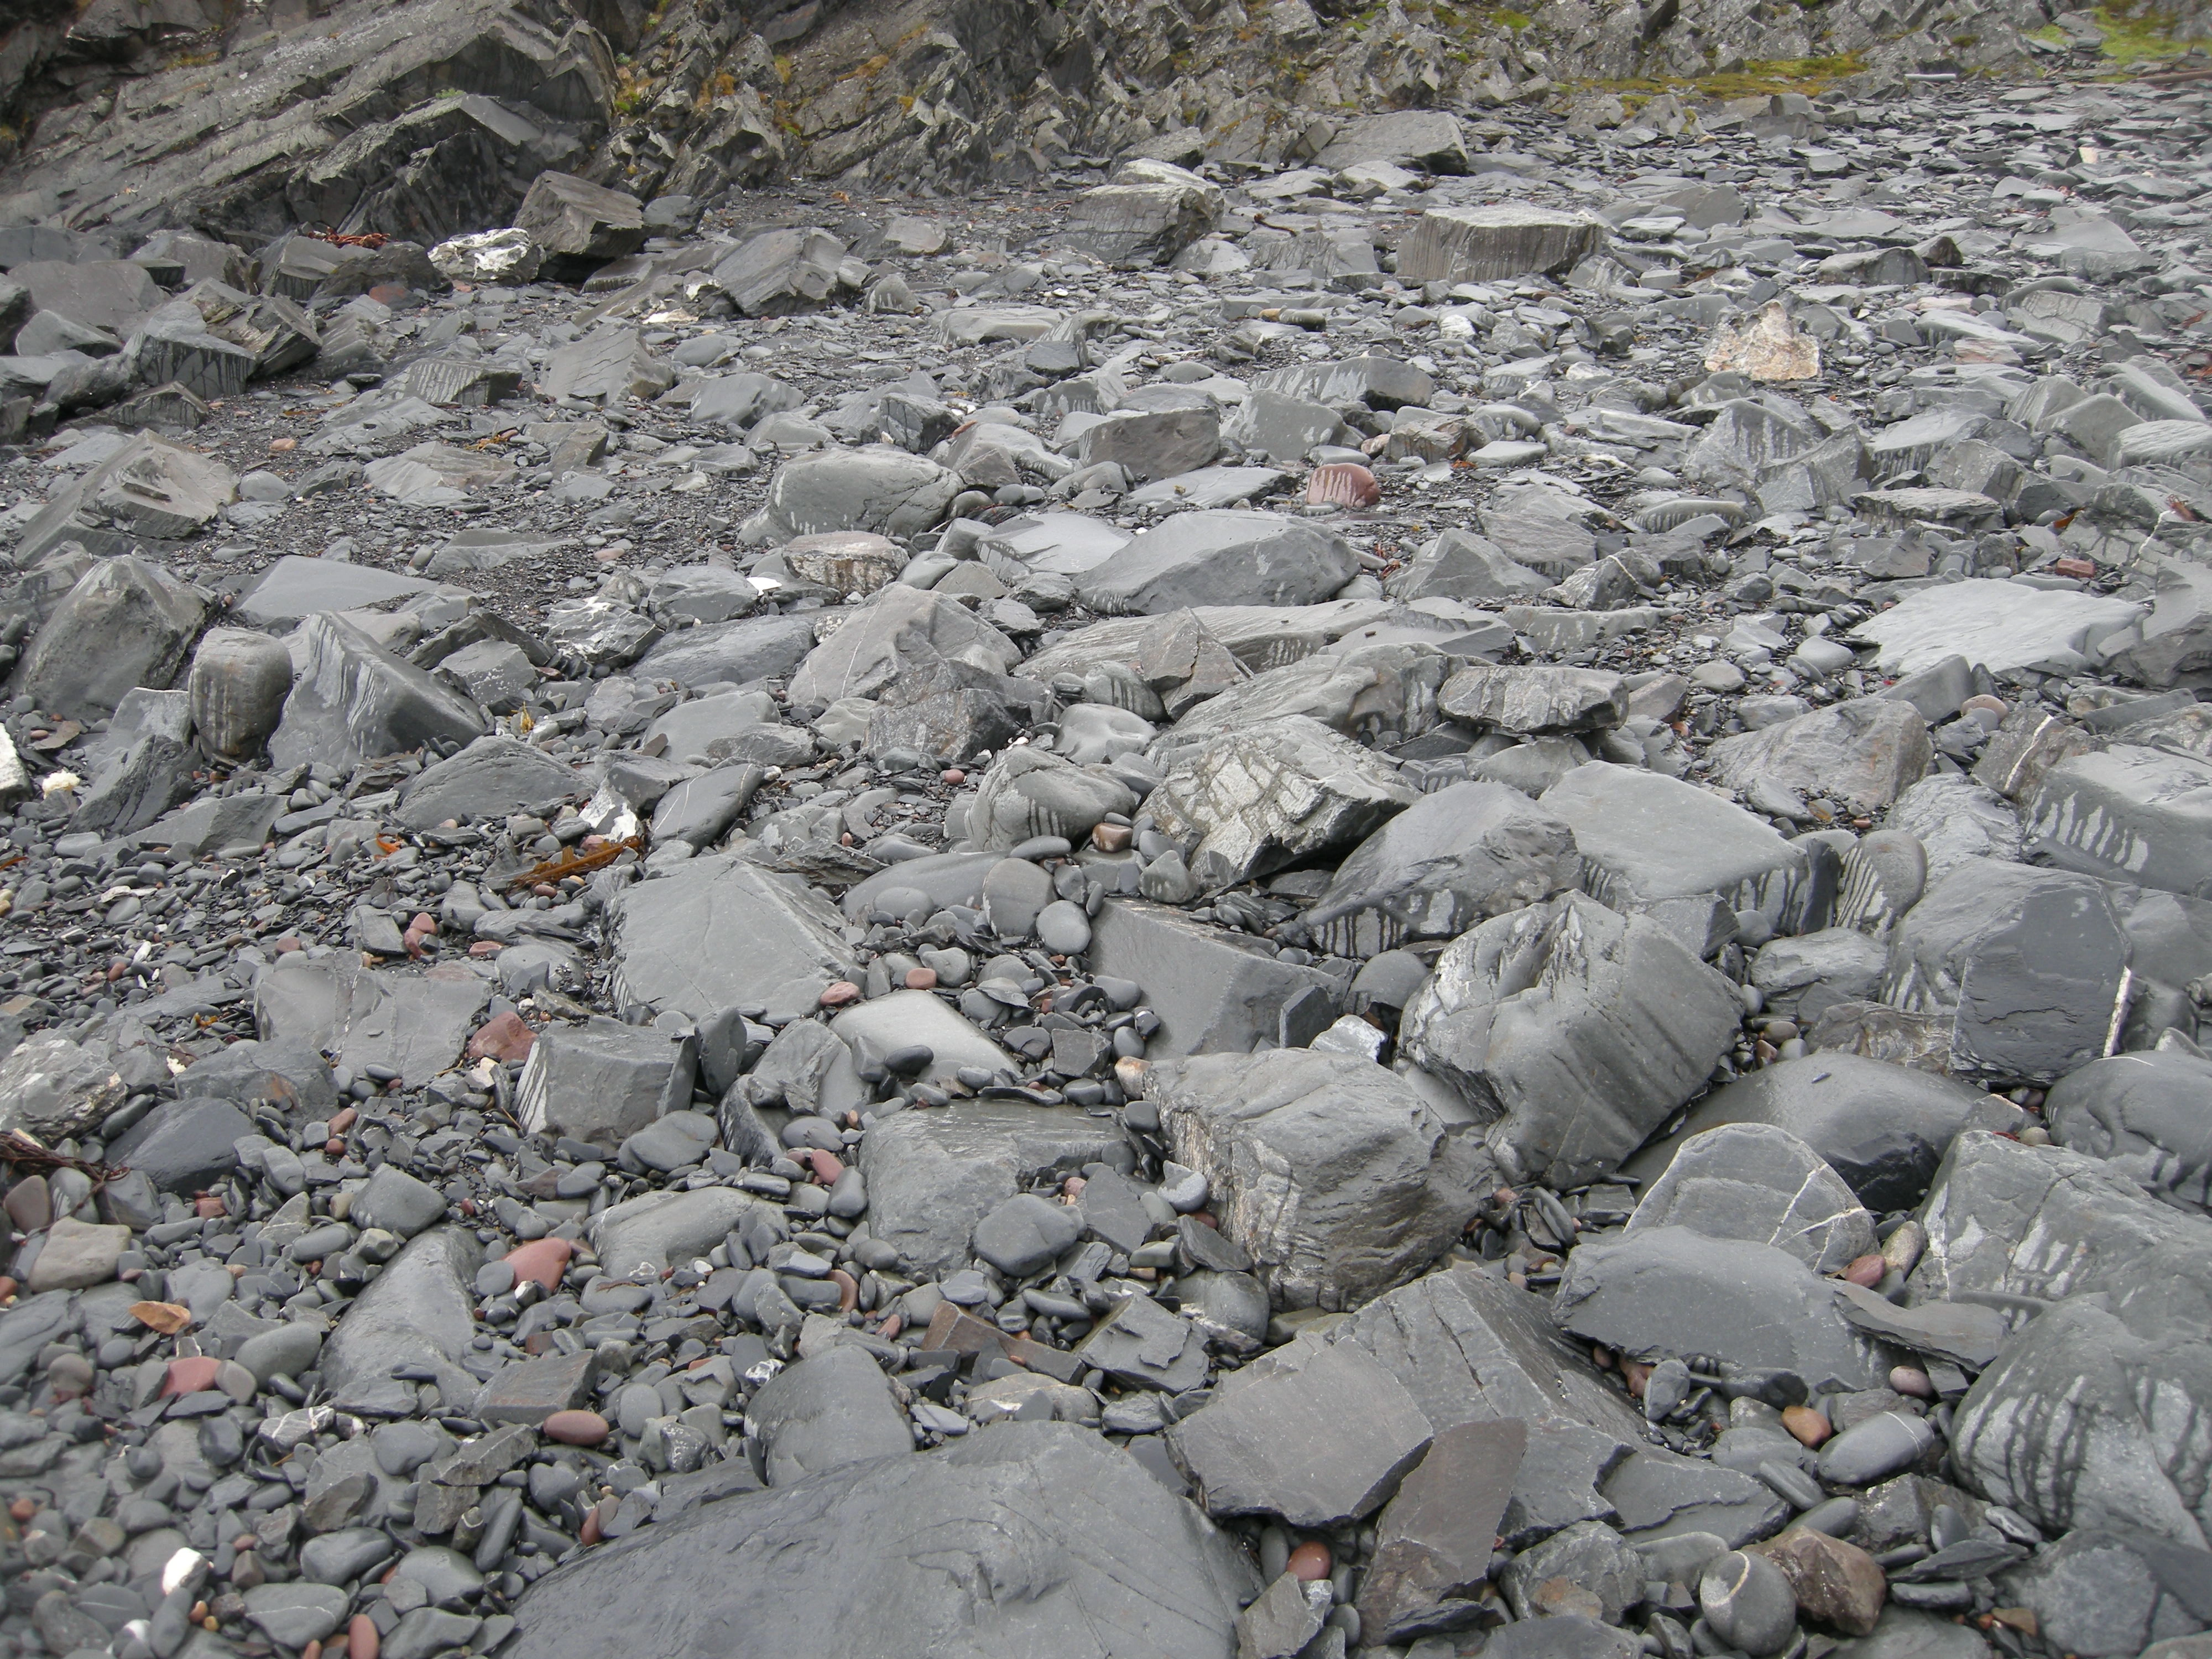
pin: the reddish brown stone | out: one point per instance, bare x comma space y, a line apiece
576, 1428
839, 992
1342, 483
191, 1376
1836, 1583
921, 979
1310, 1562
503, 1037
1809, 1426
543, 1260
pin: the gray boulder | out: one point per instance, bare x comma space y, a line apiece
1248, 802
1535, 702
2069, 1426
933, 1176
1213, 990
2115, 1589
1667, 1292
1453, 858
1031, 791
353, 701
1862, 752
2011, 1221
674, 939
878, 488
1487, 244
2129, 814
1461, 565
126, 623
1576, 1031
2030, 966
419, 1311
602, 1081
1364, 692
1334, 1176
1221, 556
1752, 1180
1883, 1128
490, 778
572, 218
238, 684
1646, 838
2143, 1116
823, 1412
1955, 819
899, 628
1152, 212
742, 650
1115, 1566
1319, 1437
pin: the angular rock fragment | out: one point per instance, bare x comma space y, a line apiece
673, 939
1667, 1291
2031, 967
1574, 1031
2128, 814
901, 628
1246, 804
603, 1081
1535, 702
1453, 858
126, 623
1753, 1182
1862, 752
1221, 557
1213, 990
1332, 1175
1487, 244
351, 702
824, 1413
1318, 1438
1124, 1567
571, 218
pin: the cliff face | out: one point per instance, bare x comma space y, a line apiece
429, 116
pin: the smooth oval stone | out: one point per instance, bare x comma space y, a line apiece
1748, 1603
1836, 1517
339, 1557
576, 1428
1875, 1450
1063, 929
1041, 847
1014, 891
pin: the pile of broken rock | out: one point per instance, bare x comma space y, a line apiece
1150, 975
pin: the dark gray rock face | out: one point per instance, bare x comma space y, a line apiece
353, 701
1452, 860
2117, 1588
933, 1176
2069, 1425
1115, 1566
1667, 1292
1212, 991
1574, 1030
1332, 1174
669, 937
490, 778
239, 681
1883, 1128
1221, 557
418, 1313
2020, 1221
1318, 1438
2028, 964
2143, 1116
126, 623
186, 1145
1751, 1181
824, 1413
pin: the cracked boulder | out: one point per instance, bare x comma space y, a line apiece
1753, 1182
1251, 802
1450, 861
1334, 1176
1574, 1031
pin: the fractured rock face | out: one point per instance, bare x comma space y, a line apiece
1254, 802
1221, 557
1574, 1029
1485, 243
1452, 860
2030, 965
1862, 752
1332, 1174
350, 701
1752, 1181
901, 628
126, 623
1048, 1503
